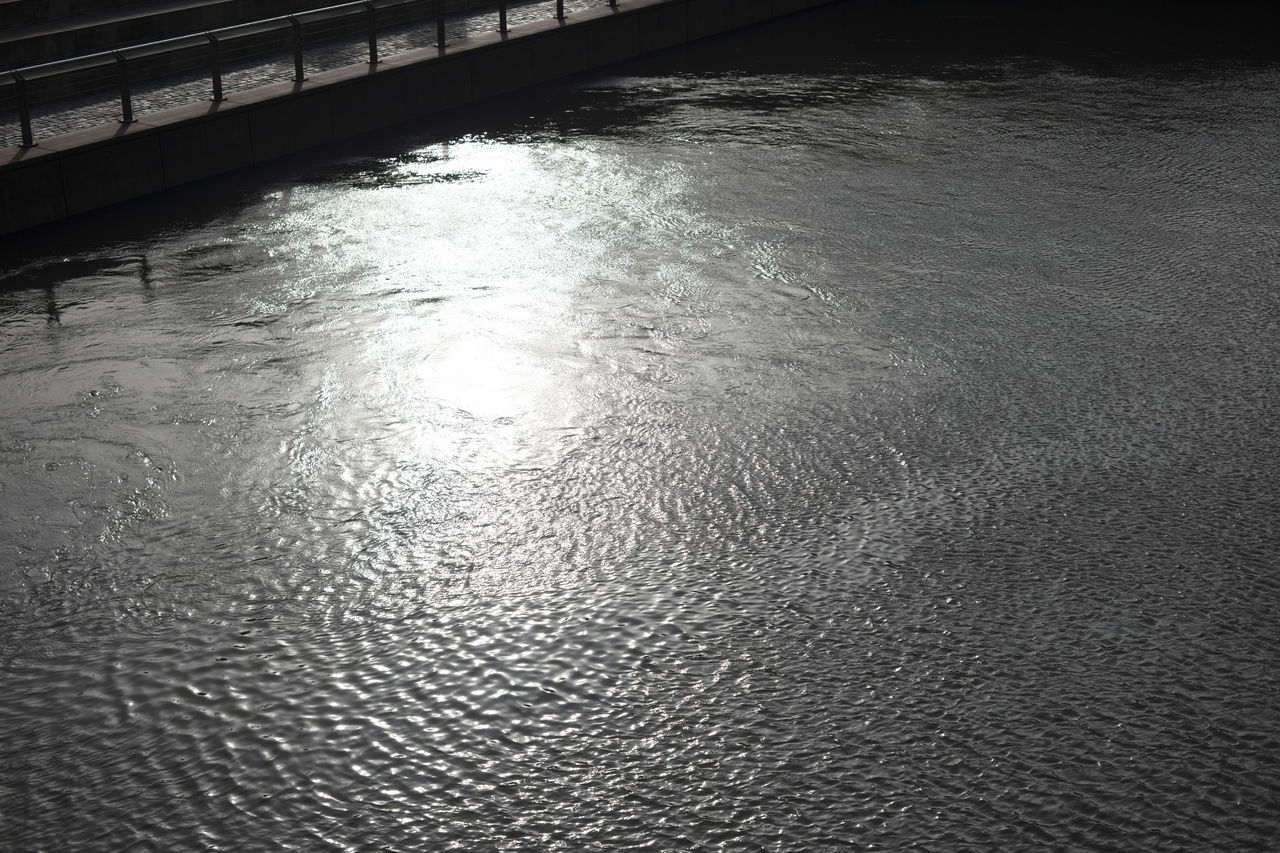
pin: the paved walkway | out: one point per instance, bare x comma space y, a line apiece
65, 115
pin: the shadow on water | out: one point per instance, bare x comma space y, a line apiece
31, 301
404, 169
31, 289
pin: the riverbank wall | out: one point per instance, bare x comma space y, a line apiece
87, 170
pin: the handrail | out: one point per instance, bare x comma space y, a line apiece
24, 110
214, 38
215, 66
126, 98
372, 12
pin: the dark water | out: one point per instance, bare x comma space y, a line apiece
818, 453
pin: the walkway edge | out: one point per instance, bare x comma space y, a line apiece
88, 170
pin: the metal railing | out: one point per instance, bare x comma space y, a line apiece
212, 43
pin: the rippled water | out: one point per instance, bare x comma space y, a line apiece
811, 453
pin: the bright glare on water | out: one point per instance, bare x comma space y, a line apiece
759, 450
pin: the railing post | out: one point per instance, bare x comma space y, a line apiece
373, 31
502, 16
559, 10
440, 37
126, 99
24, 109
215, 66
298, 73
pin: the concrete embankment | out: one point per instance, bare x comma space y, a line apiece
87, 170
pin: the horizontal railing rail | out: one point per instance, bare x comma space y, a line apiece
211, 47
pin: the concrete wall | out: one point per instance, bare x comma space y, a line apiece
91, 169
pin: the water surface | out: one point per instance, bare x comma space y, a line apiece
823, 452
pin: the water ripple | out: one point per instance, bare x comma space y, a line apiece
779, 458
